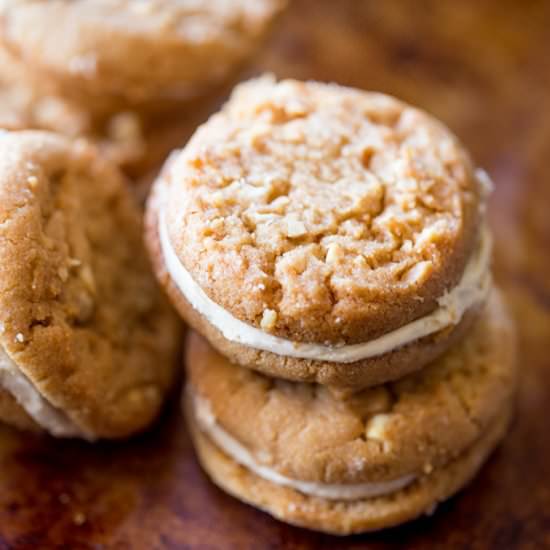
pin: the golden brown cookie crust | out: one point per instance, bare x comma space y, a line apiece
80, 312
344, 214
114, 52
344, 517
414, 425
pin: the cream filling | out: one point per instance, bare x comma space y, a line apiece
332, 491
39, 409
472, 290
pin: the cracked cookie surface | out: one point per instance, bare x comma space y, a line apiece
339, 214
412, 426
80, 313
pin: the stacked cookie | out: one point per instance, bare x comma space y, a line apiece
123, 73
356, 366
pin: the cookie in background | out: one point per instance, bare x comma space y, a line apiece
115, 54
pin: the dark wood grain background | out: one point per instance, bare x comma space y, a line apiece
483, 67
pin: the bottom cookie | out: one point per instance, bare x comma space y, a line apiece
344, 517
371, 460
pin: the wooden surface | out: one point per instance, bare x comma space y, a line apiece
483, 68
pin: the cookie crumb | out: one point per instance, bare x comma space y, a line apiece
19, 337
88, 278
360, 261
79, 518
407, 246
269, 318
295, 228
419, 272
376, 427
334, 253
63, 273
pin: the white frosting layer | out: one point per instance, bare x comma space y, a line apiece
472, 290
332, 491
41, 411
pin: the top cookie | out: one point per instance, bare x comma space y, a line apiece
133, 50
320, 213
87, 340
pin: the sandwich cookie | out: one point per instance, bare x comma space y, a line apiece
87, 342
111, 54
323, 234
374, 460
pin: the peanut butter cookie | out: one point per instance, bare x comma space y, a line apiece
376, 459
321, 233
87, 340
110, 54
